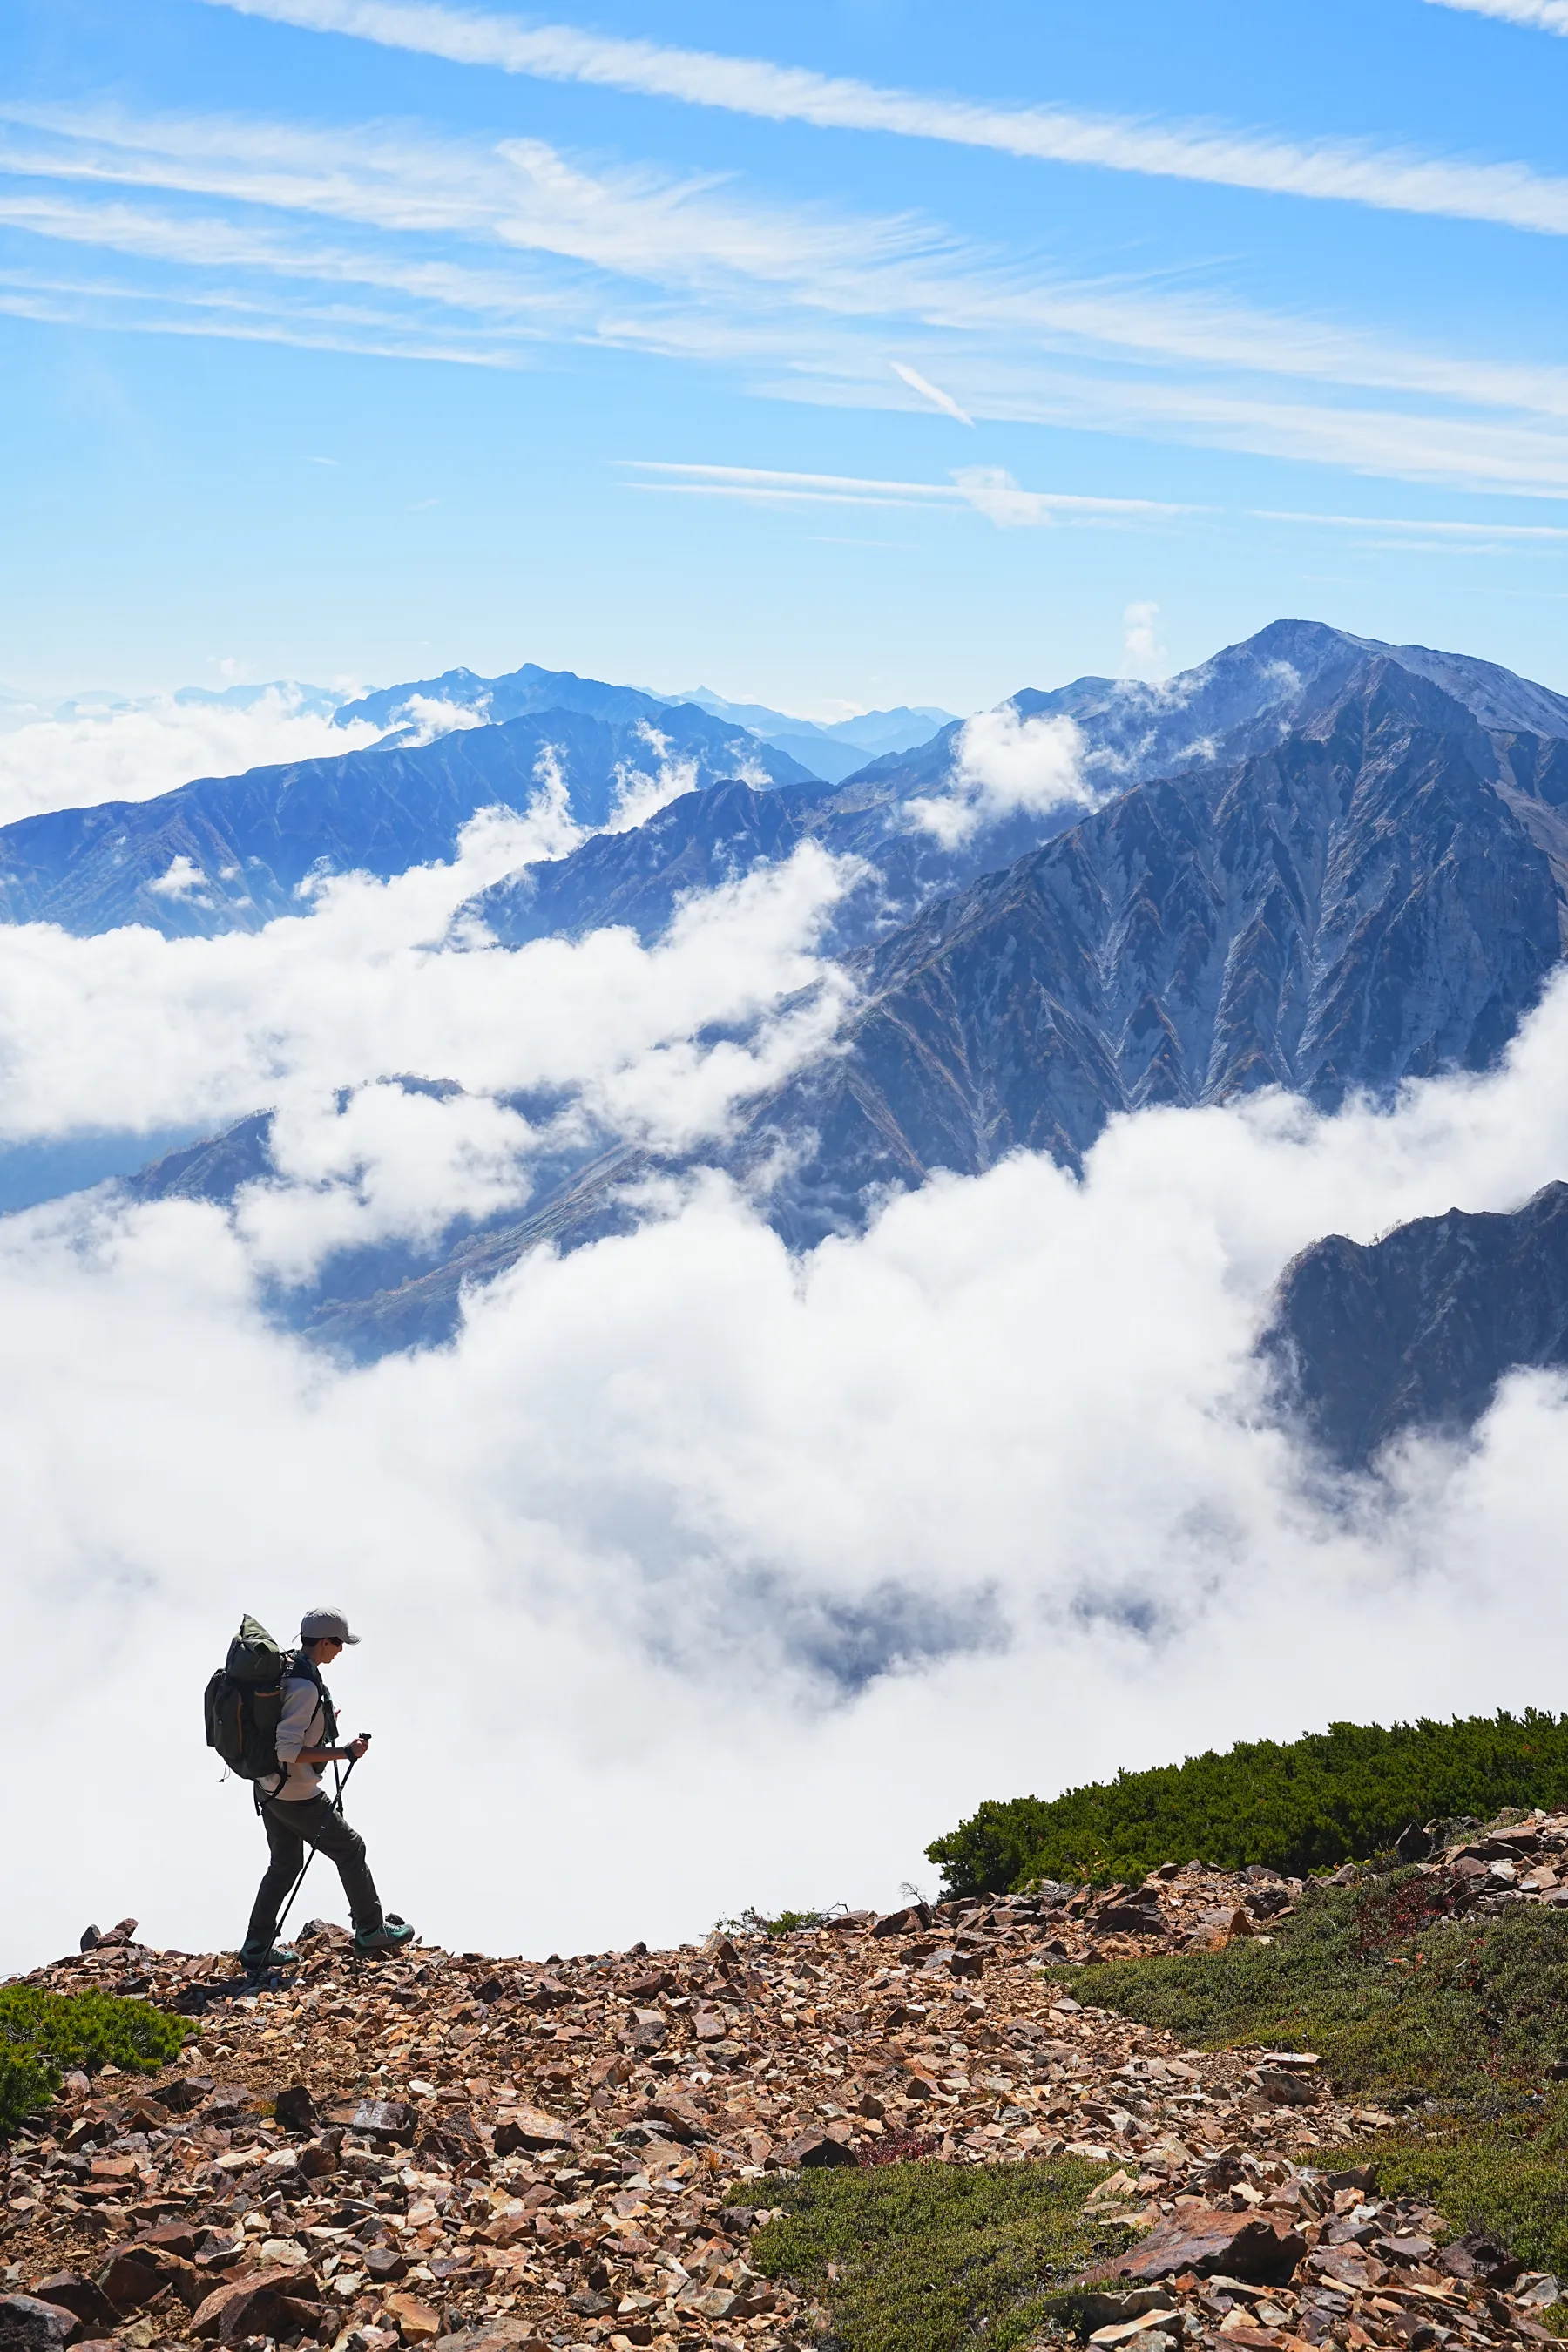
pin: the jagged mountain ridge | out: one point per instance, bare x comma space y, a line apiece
1360, 906
1241, 703
829, 752
248, 842
1414, 1331
700, 841
521, 693
245, 843
1363, 904
1242, 700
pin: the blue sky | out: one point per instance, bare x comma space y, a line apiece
845, 354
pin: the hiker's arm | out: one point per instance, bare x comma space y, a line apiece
349, 1755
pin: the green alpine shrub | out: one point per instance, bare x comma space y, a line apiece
43, 2034
1304, 1805
1458, 2025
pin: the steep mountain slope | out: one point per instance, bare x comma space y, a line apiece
1360, 905
704, 839
636, 878
229, 852
1417, 1329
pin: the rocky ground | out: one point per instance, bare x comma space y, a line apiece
502, 2152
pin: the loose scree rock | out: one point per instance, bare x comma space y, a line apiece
446, 2147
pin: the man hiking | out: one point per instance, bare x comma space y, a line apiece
296, 1814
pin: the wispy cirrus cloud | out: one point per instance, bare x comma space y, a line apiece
519, 195
990, 491
1512, 195
1541, 16
686, 236
403, 243
985, 489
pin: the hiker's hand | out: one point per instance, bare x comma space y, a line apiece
356, 1747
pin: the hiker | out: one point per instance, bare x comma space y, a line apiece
297, 1814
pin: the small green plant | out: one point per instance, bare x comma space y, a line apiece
1505, 2174
752, 1922
1401, 2005
1459, 2022
1302, 1805
44, 2034
932, 2257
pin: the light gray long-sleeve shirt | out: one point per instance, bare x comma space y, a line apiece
303, 1724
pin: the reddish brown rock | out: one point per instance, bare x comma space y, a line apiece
263, 2303
82, 2296
815, 2148
1349, 2266
904, 1923
416, 2322
128, 2280
1200, 2239
171, 2238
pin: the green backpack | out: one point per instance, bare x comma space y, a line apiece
245, 1700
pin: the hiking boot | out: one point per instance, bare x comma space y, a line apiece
390, 1937
279, 1956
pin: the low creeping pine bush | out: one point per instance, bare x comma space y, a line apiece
1299, 1806
43, 2034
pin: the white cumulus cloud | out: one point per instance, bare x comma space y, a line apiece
1005, 764
134, 751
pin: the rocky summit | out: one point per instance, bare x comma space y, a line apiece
450, 2148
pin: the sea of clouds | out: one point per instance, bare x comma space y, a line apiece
691, 1574
79, 756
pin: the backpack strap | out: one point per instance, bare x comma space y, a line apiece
303, 1667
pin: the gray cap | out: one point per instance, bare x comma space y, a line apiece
325, 1626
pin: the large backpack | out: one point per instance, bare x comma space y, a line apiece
245, 1700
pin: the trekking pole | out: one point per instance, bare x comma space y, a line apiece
310, 1858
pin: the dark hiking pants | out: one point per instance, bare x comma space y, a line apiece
290, 1828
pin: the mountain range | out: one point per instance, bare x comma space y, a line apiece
232, 852
1316, 862
828, 752
832, 751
